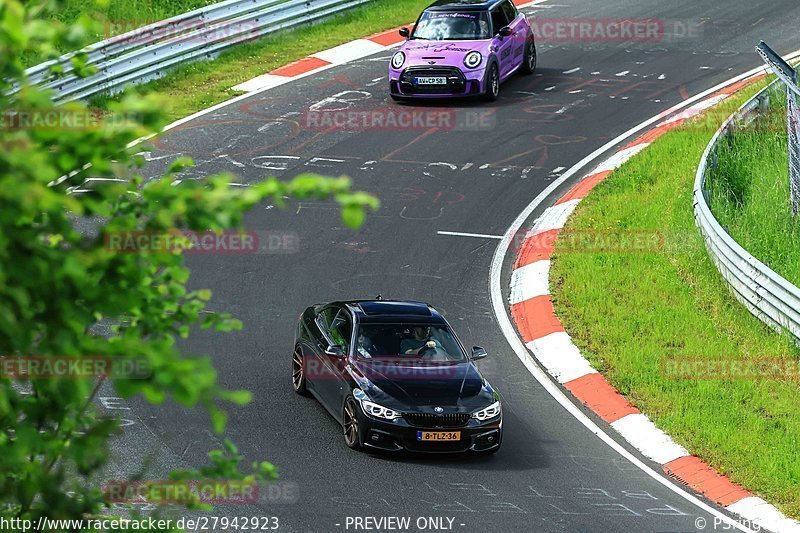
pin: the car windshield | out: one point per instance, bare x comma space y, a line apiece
452, 26
418, 342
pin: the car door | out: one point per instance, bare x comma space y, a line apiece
503, 47
337, 329
520, 33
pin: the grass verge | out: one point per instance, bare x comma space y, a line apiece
196, 86
627, 312
749, 192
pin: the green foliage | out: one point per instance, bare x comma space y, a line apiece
58, 283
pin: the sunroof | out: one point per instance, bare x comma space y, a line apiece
395, 308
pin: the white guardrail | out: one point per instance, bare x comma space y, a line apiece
767, 295
147, 52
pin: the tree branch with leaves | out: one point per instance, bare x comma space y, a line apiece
58, 282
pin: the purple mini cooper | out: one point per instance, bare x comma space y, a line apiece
462, 48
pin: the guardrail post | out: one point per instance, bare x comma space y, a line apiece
788, 75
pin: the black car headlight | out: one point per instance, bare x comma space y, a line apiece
398, 59
488, 413
378, 411
473, 59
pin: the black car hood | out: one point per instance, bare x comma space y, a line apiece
400, 385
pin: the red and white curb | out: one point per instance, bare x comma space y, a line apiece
338, 55
544, 335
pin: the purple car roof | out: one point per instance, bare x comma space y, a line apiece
462, 5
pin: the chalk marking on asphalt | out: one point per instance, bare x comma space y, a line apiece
572, 70
477, 235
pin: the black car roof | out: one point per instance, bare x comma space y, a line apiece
462, 5
394, 311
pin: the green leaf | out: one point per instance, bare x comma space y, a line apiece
239, 397
219, 418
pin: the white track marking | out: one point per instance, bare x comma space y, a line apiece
648, 439
504, 322
571, 71
530, 281
344, 53
764, 514
262, 83
619, 159
478, 235
561, 357
695, 109
556, 216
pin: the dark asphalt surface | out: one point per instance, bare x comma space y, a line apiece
552, 474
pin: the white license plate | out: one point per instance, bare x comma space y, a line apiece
431, 80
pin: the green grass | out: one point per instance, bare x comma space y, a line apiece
193, 87
629, 311
749, 193
113, 17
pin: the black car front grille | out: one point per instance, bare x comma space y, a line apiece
432, 420
456, 82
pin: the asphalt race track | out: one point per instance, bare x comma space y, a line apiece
473, 177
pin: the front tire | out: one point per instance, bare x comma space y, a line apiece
350, 424
299, 372
529, 61
492, 83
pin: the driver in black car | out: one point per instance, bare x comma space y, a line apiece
420, 339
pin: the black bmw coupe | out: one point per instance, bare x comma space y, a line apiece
396, 377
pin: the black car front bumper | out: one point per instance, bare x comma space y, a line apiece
399, 435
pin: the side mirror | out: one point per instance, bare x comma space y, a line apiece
404, 32
335, 350
505, 32
478, 353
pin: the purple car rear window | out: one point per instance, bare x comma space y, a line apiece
452, 26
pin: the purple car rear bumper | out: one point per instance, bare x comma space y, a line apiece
402, 84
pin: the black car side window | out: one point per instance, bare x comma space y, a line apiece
499, 19
341, 330
510, 10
